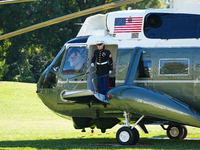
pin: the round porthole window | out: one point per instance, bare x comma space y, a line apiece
154, 20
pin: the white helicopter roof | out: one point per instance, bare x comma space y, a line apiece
105, 26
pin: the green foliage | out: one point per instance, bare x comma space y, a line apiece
39, 62
145, 4
24, 72
49, 40
3, 66
43, 44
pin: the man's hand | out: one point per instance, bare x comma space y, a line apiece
92, 64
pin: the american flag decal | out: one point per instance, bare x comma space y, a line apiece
128, 25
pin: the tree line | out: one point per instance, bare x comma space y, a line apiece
24, 57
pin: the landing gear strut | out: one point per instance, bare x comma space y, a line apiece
128, 135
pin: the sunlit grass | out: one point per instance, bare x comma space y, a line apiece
26, 123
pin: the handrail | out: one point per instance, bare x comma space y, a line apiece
69, 84
94, 86
83, 75
71, 79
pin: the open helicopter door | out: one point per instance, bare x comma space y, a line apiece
76, 80
92, 78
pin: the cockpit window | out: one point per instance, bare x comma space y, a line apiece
48, 78
74, 61
57, 61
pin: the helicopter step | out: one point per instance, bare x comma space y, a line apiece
83, 96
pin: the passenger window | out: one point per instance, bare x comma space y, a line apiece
145, 69
174, 67
75, 59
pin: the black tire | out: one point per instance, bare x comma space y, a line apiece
185, 132
137, 136
175, 131
125, 136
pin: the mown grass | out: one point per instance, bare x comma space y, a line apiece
26, 123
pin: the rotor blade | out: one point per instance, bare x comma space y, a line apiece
14, 1
68, 17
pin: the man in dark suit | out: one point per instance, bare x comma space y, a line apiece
104, 66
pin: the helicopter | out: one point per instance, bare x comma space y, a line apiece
155, 77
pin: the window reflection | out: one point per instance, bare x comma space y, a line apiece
174, 66
56, 64
50, 80
145, 68
75, 59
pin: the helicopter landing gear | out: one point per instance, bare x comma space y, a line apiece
177, 131
185, 132
128, 135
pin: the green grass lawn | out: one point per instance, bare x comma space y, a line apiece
26, 123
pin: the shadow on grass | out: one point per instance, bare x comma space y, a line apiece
83, 143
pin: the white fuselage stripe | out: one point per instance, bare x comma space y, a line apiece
162, 81
145, 81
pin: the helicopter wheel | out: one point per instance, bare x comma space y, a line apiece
137, 136
175, 131
127, 136
185, 132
